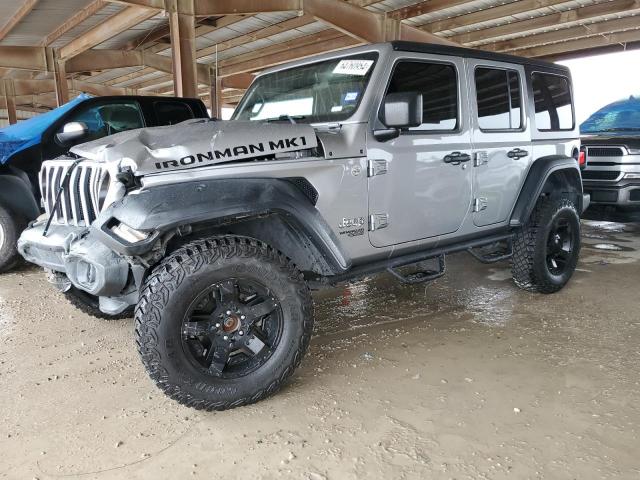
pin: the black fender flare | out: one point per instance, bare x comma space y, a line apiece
17, 196
541, 172
223, 201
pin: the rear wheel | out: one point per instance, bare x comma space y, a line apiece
223, 322
546, 249
10, 228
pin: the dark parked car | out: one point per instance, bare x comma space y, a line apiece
611, 142
24, 146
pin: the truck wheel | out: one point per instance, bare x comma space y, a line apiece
89, 304
10, 229
223, 322
546, 249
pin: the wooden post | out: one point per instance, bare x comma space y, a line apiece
215, 93
60, 76
182, 27
10, 101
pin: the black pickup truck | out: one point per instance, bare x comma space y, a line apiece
24, 146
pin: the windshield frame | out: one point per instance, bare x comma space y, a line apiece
355, 115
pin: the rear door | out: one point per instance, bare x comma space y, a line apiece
501, 138
420, 182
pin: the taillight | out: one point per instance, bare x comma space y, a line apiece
582, 159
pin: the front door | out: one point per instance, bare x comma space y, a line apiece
420, 182
501, 139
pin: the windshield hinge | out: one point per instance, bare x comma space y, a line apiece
329, 128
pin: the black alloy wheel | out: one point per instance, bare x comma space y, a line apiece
560, 245
232, 328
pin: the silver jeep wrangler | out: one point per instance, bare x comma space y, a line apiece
332, 168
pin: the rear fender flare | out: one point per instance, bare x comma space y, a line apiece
547, 175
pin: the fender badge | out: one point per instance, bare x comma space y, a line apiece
356, 170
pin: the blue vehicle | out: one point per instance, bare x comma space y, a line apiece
24, 146
611, 143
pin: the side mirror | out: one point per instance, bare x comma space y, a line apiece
72, 132
399, 111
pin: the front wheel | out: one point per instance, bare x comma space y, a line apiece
223, 322
546, 249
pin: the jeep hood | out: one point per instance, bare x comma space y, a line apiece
197, 143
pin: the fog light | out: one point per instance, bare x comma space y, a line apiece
128, 234
632, 176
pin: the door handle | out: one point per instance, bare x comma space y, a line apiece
517, 153
456, 158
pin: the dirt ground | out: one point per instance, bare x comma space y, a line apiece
466, 378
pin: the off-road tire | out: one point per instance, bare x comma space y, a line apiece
12, 227
177, 279
89, 304
528, 264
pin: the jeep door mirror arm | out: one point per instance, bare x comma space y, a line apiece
386, 134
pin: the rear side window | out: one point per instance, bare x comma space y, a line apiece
438, 84
170, 113
498, 99
552, 97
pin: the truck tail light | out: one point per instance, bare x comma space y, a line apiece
582, 158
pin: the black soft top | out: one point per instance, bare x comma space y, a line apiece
437, 49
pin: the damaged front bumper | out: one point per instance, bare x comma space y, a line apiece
88, 264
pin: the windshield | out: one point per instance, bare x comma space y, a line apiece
328, 91
622, 116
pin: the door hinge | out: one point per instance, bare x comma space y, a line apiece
376, 167
378, 221
480, 204
480, 158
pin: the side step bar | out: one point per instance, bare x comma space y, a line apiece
495, 256
422, 276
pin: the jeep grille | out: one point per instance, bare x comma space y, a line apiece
83, 196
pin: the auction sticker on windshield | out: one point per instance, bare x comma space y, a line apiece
353, 67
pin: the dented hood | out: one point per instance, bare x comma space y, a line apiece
196, 143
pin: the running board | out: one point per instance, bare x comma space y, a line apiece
361, 271
422, 276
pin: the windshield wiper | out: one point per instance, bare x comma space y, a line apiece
283, 118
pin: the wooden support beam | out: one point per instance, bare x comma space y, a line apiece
182, 29
239, 81
588, 43
564, 34
121, 21
76, 19
10, 101
364, 24
548, 21
423, 8
260, 62
96, 60
234, 7
208, 8
27, 58
290, 24
24, 10
493, 13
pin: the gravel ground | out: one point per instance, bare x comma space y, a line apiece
465, 378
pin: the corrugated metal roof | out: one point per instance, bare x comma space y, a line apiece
45, 17
106, 12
